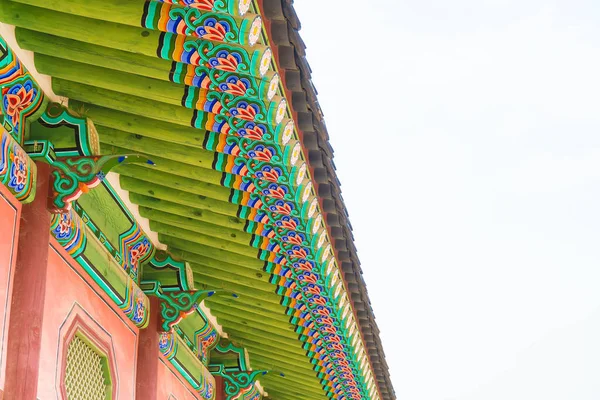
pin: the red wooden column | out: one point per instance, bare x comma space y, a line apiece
148, 355
29, 289
219, 388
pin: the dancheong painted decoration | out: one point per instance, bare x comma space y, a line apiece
191, 181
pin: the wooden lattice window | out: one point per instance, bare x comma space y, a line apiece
86, 356
87, 375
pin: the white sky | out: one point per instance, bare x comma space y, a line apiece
467, 143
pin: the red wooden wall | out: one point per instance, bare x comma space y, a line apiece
73, 299
10, 212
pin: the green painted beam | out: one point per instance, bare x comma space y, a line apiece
128, 38
159, 205
170, 166
218, 254
82, 51
179, 197
248, 308
123, 102
150, 175
110, 79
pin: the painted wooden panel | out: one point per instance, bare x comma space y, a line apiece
69, 290
171, 385
10, 211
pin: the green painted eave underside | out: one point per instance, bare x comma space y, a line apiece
182, 196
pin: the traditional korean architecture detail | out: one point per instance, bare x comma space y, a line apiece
239, 379
70, 230
22, 98
206, 339
176, 305
17, 171
190, 367
74, 176
201, 23
240, 196
172, 274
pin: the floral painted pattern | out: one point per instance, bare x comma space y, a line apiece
139, 311
261, 153
19, 172
269, 173
252, 131
236, 86
265, 62
64, 227
225, 61
244, 6
16, 99
137, 252
213, 30
246, 111
255, 31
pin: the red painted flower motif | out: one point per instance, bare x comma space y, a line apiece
323, 311
263, 155
337, 347
303, 266
207, 343
248, 113
17, 102
162, 340
334, 338
64, 225
295, 239
278, 193
318, 300
271, 176
207, 5
298, 253
255, 133
229, 63
138, 252
330, 329
289, 224
284, 208
215, 33
311, 278
20, 171
237, 88
312, 289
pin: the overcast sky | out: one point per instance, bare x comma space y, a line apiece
467, 139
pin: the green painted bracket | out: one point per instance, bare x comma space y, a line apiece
71, 133
73, 176
177, 305
171, 273
229, 362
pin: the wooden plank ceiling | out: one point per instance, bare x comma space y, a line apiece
215, 197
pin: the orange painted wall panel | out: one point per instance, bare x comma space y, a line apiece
171, 385
10, 211
70, 290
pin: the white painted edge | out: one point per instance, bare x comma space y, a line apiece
260, 388
26, 58
213, 320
